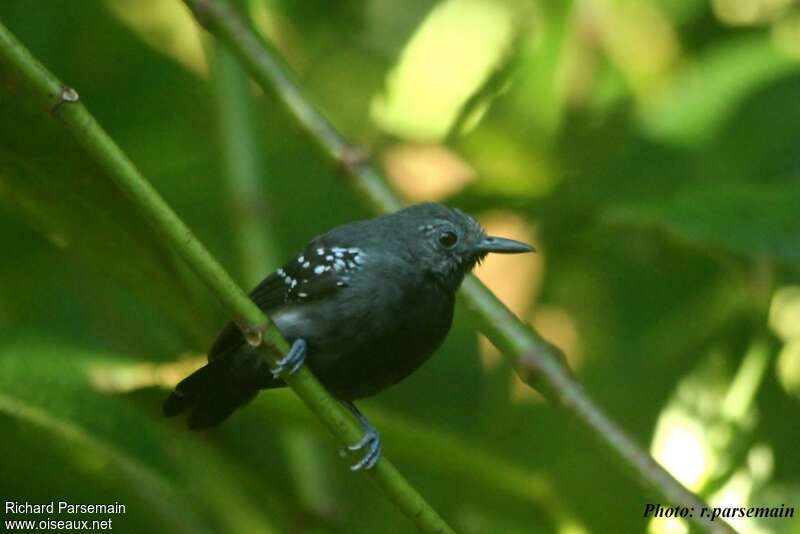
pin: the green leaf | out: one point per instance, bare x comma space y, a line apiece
174, 481
699, 99
49, 182
753, 220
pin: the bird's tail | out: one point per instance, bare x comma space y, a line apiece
214, 391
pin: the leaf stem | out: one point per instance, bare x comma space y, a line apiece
538, 362
64, 104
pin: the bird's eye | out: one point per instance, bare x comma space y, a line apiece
448, 239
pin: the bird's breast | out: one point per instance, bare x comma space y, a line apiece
367, 339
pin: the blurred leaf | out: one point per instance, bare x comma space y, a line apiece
47, 180
704, 94
535, 101
753, 220
166, 26
707, 425
683, 10
46, 386
788, 368
773, 495
161, 497
429, 85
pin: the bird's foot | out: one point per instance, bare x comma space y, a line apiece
292, 361
371, 440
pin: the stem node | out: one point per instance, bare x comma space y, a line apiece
68, 95
254, 333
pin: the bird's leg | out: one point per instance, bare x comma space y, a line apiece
371, 440
293, 359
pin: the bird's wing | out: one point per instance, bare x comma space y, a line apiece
312, 275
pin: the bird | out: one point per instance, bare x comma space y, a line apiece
363, 306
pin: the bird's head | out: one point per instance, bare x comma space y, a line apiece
448, 243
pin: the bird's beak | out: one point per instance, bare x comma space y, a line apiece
502, 246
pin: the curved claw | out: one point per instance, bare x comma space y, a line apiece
372, 440
292, 361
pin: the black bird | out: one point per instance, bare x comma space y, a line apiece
363, 306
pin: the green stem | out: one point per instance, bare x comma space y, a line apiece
245, 176
64, 104
242, 170
539, 363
